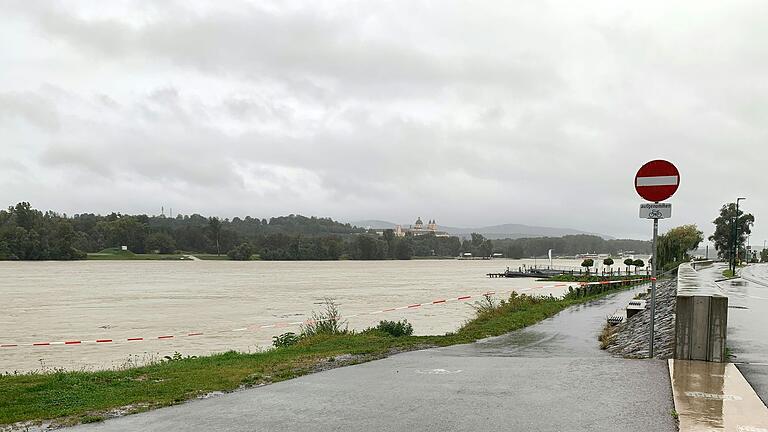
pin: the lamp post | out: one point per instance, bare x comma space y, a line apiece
735, 255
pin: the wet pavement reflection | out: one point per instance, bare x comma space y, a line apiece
748, 322
715, 397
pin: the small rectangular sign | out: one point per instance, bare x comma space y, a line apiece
655, 211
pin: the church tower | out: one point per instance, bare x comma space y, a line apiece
419, 224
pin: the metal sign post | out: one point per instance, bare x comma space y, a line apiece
654, 211
656, 181
653, 285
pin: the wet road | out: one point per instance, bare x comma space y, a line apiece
748, 324
551, 376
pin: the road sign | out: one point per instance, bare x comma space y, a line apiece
657, 180
655, 211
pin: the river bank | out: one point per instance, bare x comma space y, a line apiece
92, 396
117, 300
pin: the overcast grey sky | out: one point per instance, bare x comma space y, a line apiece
472, 113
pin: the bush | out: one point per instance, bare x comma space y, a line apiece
395, 328
160, 242
241, 253
486, 304
285, 340
326, 322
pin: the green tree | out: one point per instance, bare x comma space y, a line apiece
725, 232
389, 237
629, 262
587, 263
161, 242
485, 249
367, 247
334, 249
243, 252
62, 241
764, 255
26, 217
477, 240
214, 225
123, 231
404, 249
608, 262
514, 251
674, 246
638, 263
29, 234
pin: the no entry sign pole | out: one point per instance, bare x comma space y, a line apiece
653, 287
656, 181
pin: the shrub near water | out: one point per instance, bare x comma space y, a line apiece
519, 310
395, 328
285, 340
327, 322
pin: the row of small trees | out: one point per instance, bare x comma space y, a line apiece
608, 262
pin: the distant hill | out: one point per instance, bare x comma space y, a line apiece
494, 232
374, 224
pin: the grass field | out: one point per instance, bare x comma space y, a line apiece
117, 254
211, 257
594, 278
78, 397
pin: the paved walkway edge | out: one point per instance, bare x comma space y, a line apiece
715, 397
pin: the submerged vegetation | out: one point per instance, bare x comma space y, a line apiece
76, 397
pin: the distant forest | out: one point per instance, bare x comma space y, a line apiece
30, 234
568, 246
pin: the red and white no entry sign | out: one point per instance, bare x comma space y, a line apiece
657, 180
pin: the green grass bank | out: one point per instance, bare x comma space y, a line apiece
81, 397
114, 254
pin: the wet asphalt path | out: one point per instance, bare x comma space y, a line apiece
748, 324
548, 377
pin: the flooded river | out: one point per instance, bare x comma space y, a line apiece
90, 300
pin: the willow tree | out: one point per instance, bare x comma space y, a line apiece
674, 246
725, 231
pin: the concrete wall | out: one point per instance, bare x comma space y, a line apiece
701, 318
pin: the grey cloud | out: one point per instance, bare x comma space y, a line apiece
13, 166
257, 44
477, 113
30, 107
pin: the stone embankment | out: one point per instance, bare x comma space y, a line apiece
630, 338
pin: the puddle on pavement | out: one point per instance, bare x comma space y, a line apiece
715, 397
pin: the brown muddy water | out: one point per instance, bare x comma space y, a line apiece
89, 300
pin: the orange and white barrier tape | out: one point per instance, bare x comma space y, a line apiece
298, 323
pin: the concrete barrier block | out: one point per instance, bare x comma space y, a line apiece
701, 318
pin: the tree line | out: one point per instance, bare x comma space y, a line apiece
568, 245
30, 234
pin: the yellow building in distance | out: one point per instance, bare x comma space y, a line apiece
418, 229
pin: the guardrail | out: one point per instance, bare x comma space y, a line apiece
702, 316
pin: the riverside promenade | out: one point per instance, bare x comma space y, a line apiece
548, 377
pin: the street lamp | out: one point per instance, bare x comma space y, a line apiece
735, 255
